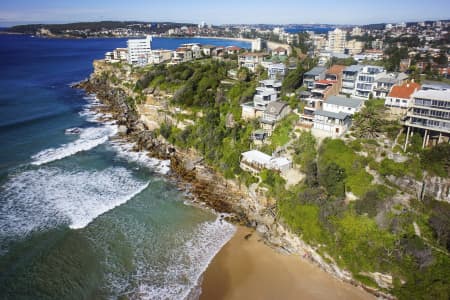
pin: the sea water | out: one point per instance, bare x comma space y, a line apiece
81, 215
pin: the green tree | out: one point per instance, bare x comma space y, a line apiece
332, 178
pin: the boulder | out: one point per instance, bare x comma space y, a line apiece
122, 129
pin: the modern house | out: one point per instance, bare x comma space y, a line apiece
182, 54
275, 111
321, 91
232, 50
335, 117
196, 49
366, 81
399, 98
384, 84
276, 71
138, 50
349, 77
316, 73
335, 73
330, 124
250, 60
267, 92
342, 104
207, 50
429, 112
255, 161
280, 51
159, 56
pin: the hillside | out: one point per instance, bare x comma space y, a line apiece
360, 205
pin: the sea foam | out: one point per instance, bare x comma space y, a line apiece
47, 197
125, 151
88, 139
187, 263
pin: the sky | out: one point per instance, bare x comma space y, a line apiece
355, 12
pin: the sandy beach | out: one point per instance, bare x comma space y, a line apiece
249, 269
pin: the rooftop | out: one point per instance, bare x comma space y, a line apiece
336, 69
343, 101
276, 107
316, 71
256, 156
404, 91
330, 114
353, 68
442, 95
435, 85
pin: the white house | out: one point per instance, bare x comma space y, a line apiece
366, 81
250, 60
399, 99
139, 50
255, 161
339, 104
330, 124
276, 71
335, 117
267, 92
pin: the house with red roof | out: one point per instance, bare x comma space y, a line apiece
399, 98
233, 50
279, 51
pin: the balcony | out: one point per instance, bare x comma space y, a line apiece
428, 124
349, 77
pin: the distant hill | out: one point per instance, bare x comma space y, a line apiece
146, 27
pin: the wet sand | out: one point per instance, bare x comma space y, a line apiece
249, 269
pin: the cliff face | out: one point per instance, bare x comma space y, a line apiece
210, 188
435, 187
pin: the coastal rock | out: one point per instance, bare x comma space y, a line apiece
206, 186
263, 229
122, 129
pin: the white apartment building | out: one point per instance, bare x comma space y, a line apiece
367, 81
429, 112
139, 50
337, 40
258, 45
267, 92
354, 47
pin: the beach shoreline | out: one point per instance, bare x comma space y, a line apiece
247, 268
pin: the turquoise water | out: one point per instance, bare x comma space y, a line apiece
81, 216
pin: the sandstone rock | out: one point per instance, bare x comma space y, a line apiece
261, 228
122, 129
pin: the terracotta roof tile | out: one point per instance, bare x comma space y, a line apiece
404, 91
336, 69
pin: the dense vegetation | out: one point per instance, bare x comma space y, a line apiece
373, 232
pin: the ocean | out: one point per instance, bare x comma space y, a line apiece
81, 215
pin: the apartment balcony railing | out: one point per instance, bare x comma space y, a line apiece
429, 124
